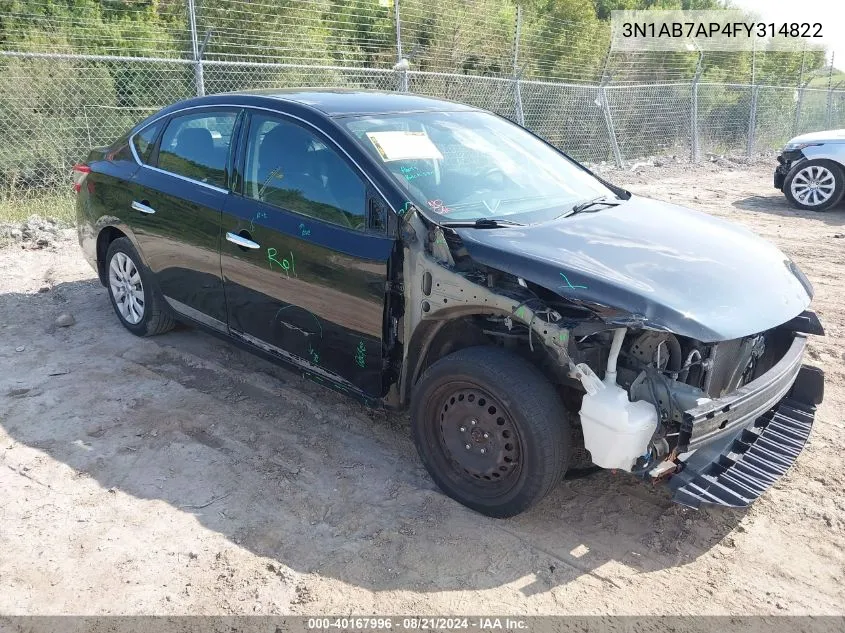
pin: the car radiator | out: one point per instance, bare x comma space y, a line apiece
728, 360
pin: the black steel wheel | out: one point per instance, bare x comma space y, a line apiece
478, 434
490, 430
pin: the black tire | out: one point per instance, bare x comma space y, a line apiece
155, 316
804, 172
493, 392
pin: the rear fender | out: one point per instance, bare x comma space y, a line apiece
101, 228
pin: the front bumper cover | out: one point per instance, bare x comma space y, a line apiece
734, 470
786, 160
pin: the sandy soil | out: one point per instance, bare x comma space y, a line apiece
180, 474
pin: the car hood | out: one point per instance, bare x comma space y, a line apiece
827, 136
664, 266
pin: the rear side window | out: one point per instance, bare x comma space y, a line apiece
197, 145
143, 141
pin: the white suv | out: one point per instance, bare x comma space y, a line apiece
811, 173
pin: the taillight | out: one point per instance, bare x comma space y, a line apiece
79, 173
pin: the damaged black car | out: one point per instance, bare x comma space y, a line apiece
422, 254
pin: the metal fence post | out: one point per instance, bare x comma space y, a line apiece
605, 77
401, 63
517, 90
695, 154
608, 121
752, 114
752, 121
829, 113
195, 49
796, 124
601, 100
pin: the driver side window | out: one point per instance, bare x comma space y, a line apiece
289, 167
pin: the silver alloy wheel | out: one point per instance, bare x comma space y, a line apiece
126, 287
813, 185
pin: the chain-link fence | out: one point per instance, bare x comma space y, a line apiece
76, 75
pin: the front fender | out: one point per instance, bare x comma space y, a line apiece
831, 151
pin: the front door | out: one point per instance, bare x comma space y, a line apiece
178, 199
304, 267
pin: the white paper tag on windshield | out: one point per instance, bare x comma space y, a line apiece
403, 145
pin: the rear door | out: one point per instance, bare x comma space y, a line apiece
178, 199
305, 253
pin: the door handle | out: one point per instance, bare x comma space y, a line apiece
241, 241
143, 208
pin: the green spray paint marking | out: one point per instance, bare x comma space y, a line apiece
404, 209
315, 357
568, 283
288, 266
361, 355
304, 231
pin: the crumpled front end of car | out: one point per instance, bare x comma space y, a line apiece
676, 341
786, 160
737, 445
730, 417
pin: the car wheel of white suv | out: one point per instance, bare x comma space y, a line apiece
815, 185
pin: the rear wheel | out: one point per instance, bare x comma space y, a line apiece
139, 307
490, 430
815, 185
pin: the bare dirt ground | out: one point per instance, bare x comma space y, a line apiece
179, 474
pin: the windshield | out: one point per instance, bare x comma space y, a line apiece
471, 165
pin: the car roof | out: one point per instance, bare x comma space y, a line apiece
344, 101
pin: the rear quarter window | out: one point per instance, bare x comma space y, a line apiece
143, 141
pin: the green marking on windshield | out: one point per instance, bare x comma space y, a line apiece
410, 173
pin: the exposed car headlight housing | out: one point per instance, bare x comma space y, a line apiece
792, 147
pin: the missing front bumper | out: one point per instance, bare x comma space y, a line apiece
715, 420
734, 472
786, 160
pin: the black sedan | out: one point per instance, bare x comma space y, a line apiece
419, 253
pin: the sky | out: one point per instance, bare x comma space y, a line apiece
829, 13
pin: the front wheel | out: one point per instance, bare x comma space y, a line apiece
815, 185
490, 430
